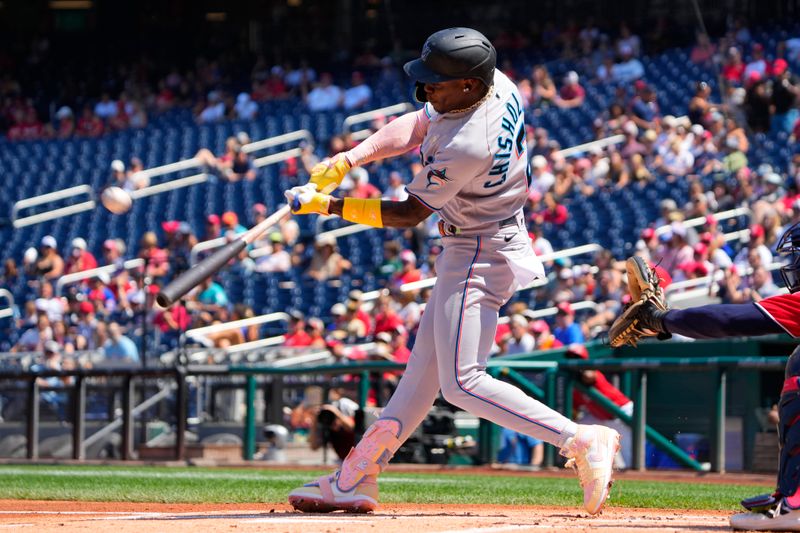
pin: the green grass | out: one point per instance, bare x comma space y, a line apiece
216, 485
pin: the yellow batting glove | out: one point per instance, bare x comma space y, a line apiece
305, 200
329, 174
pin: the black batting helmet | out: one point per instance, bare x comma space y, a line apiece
789, 247
453, 54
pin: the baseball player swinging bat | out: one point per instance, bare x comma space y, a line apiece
211, 264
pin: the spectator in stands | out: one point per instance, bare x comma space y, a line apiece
676, 250
678, 161
699, 104
278, 260
245, 108
325, 96
758, 64
89, 125
359, 94
106, 108
326, 262
542, 179
571, 93
644, 110
230, 222
386, 317
65, 127
519, 340
316, 332
733, 67
80, 258
156, 259
362, 188
408, 272
703, 51
297, 336
567, 331
544, 90
242, 166
594, 413
755, 244
49, 264
86, 326
209, 298
628, 41
757, 104
553, 212
763, 286
629, 68
785, 89
34, 339
49, 304
53, 361
118, 347
112, 252
213, 110
396, 191
172, 322
213, 227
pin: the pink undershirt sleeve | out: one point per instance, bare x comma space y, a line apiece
395, 138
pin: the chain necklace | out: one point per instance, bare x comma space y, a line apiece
477, 104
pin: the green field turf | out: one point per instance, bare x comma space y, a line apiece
214, 485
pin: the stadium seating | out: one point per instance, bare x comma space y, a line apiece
612, 219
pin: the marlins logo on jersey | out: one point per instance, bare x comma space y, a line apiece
436, 178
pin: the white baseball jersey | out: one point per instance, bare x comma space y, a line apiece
475, 164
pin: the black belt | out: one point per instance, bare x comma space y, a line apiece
447, 230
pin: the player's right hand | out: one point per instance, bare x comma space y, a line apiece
329, 174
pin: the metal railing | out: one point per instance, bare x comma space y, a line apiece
200, 333
8, 311
131, 264
392, 110
722, 215
52, 214
544, 258
150, 190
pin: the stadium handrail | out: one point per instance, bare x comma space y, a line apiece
544, 258
130, 264
52, 214
396, 109
7, 311
699, 221
270, 142
186, 164
200, 333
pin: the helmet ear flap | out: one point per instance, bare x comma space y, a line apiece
419, 92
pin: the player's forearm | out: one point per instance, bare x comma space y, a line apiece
395, 138
405, 214
720, 320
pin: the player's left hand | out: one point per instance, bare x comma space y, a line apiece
328, 175
305, 200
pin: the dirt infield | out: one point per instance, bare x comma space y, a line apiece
392, 518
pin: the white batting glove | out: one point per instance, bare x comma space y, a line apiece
305, 199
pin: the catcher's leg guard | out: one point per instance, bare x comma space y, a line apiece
781, 510
354, 487
789, 431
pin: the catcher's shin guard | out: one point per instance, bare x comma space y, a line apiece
354, 487
789, 429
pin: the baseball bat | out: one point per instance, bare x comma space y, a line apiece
211, 264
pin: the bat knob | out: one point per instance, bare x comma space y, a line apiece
296, 205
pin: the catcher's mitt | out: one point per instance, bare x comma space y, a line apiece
643, 316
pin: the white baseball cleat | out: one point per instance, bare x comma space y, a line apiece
780, 517
591, 452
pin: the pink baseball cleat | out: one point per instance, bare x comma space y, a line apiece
591, 452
